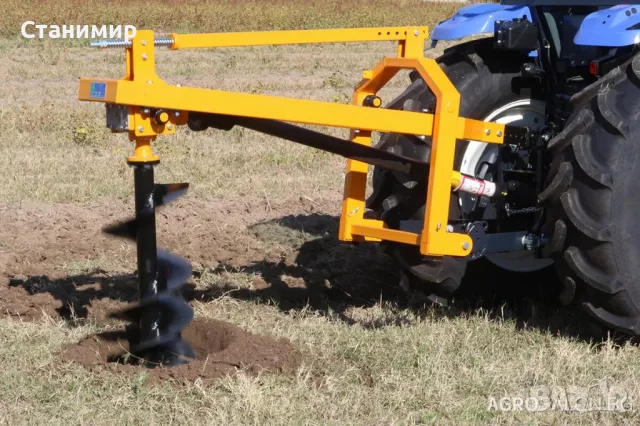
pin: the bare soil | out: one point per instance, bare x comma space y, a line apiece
38, 240
221, 349
290, 250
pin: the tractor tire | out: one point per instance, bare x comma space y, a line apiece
487, 80
593, 199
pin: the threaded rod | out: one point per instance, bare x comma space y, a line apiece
124, 44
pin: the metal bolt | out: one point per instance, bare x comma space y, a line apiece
449, 228
531, 241
356, 131
146, 111
143, 42
170, 126
465, 246
178, 85
487, 132
144, 56
438, 226
499, 133
141, 129
177, 114
149, 82
416, 33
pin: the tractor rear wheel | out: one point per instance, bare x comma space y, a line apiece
491, 88
593, 200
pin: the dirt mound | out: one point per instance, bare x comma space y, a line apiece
221, 349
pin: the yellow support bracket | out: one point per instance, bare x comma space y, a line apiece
148, 97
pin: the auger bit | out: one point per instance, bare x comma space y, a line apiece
162, 313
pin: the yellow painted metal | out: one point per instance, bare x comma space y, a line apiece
376, 102
480, 130
383, 234
456, 178
142, 89
148, 93
260, 106
143, 152
143, 56
263, 38
144, 71
355, 185
376, 230
143, 94
162, 117
412, 47
435, 240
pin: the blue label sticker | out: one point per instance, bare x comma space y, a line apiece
98, 90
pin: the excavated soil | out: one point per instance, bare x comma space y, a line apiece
221, 349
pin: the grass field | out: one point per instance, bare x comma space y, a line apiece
259, 227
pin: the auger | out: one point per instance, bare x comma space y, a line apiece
162, 313
517, 148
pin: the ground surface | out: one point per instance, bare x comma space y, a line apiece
291, 326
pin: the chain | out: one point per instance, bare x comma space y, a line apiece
511, 212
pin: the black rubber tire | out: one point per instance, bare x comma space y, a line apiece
593, 200
486, 80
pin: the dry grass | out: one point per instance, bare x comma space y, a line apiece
223, 15
375, 365
430, 370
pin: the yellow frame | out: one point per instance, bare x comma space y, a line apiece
141, 88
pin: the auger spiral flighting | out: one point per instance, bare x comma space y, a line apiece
161, 313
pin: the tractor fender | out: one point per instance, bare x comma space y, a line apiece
613, 27
477, 19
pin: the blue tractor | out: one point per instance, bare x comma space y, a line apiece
568, 72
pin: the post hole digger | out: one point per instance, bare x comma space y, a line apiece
492, 151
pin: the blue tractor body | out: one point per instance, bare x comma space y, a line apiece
610, 26
477, 19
